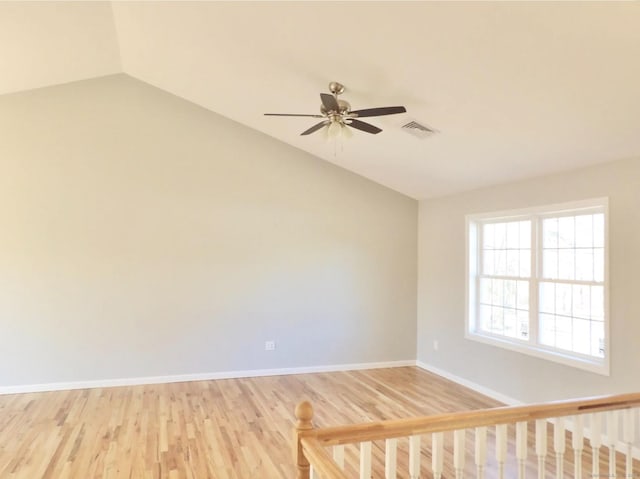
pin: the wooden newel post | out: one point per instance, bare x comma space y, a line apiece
304, 415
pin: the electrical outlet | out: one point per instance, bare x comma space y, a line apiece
269, 345
435, 345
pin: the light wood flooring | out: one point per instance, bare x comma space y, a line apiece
236, 428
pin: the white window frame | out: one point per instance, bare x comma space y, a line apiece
532, 347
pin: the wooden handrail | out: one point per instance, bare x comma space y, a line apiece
321, 460
469, 419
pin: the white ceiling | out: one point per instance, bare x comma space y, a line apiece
514, 89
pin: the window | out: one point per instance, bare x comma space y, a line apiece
537, 282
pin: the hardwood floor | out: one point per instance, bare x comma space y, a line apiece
236, 428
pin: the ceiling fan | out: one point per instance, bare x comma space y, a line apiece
337, 114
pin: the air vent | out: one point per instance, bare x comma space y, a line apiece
417, 129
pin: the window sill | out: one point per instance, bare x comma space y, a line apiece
598, 366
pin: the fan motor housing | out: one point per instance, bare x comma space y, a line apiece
344, 107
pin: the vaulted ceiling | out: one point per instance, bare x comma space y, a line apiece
513, 89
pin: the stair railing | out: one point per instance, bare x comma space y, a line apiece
313, 460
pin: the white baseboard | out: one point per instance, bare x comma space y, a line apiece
180, 378
509, 401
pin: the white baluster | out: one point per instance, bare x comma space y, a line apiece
629, 438
521, 448
541, 446
390, 455
577, 442
501, 448
365, 460
458, 452
313, 474
612, 441
559, 446
414, 457
481, 451
595, 425
437, 454
338, 455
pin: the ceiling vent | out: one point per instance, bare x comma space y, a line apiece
417, 129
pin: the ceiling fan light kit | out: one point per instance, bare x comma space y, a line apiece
338, 117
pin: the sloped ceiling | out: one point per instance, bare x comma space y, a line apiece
47, 43
514, 89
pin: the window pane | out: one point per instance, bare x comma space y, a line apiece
510, 294
525, 263
547, 329
488, 236
584, 231
563, 299
584, 264
566, 232
488, 262
550, 263
513, 262
581, 301
523, 295
597, 303
501, 262
547, 297
598, 264
513, 235
597, 339
582, 336
550, 233
523, 324
500, 230
485, 318
525, 234
563, 332
598, 230
566, 264
496, 291
510, 323
497, 320
485, 291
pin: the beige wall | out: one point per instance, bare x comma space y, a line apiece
141, 235
441, 290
